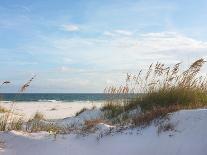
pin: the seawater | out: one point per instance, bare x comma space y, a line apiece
53, 97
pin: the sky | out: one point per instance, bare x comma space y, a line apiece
82, 46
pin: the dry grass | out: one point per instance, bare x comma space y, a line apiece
14, 123
27, 84
165, 86
37, 123
38, 116
8, 121
3, 109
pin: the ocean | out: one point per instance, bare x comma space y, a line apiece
54, 97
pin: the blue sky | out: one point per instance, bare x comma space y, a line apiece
83, 45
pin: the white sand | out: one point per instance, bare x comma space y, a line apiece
51, 110
188, 139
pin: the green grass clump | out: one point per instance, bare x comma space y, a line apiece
185, 97
112, 109
81, 111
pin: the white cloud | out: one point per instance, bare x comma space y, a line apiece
118, 33
107, 33
127, 53
123, 32
102, 61
166, 41
64, 69
70, 27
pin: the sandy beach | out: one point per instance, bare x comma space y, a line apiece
51, 110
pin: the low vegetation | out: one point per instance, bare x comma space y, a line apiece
146, 118
112, 109
38, 123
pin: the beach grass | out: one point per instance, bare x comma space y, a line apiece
159, 90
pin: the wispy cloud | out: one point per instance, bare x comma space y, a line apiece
118, 33
118, 55
124, 32
70, 27
107, 33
